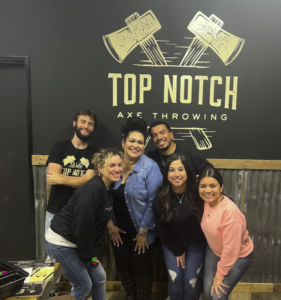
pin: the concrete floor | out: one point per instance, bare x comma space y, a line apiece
122, 296
155, 296
235, 296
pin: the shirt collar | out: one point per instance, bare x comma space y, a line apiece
137, 166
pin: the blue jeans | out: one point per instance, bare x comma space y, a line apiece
83, 276
183, 283
231, 279
48, 218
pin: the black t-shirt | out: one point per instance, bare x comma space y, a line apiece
74, 162
83, 220
122, 216
196, 160
184, 227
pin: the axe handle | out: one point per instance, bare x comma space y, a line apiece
200, 139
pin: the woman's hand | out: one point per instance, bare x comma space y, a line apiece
181, 261
217, 285
114, 233
141, 243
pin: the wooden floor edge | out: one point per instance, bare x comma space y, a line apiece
242, 287
236, 164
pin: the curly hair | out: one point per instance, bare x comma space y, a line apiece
101, 158
134, 124
166, 193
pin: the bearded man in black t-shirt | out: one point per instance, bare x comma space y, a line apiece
162, 138
69, 164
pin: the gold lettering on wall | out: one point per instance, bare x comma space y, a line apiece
232, 92
217, 102
201, 88
130, 84
114, 87
144, 88
186, 87
207, 34
170, 89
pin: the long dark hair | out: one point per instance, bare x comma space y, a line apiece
167, 195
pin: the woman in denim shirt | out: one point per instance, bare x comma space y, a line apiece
132, 226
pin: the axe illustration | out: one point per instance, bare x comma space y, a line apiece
209, 32
138, 32
197, 47
198, 136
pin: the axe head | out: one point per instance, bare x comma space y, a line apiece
226, 45
121, 42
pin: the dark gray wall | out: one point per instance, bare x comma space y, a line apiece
17, 233
70, 66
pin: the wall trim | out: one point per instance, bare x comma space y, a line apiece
235, 164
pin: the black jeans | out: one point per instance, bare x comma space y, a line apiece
129, 260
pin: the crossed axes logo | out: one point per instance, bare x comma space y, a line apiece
140, 29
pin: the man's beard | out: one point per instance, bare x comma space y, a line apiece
82, 137
166, 148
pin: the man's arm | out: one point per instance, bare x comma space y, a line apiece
54, 177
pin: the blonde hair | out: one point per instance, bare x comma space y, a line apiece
101, 158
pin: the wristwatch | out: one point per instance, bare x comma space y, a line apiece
143, 233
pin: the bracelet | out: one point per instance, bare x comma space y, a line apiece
142, 233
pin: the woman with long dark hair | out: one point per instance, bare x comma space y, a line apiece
230, 251
178, 211
132, 228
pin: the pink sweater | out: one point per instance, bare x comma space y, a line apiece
224, 226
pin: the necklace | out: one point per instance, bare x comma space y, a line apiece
180, 198
162, 160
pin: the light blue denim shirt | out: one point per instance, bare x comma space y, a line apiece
140, 189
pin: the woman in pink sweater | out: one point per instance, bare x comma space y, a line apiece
228, 255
